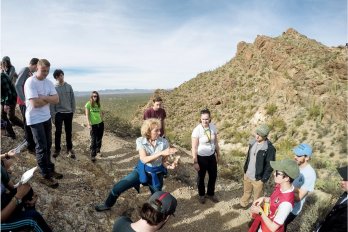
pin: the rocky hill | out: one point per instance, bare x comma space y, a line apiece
295, 84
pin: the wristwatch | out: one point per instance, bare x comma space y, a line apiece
18, 200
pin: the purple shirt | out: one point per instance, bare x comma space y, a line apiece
159, 114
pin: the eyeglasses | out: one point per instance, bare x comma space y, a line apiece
278, 173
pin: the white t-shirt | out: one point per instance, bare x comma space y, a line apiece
206, 146
306, 180
34, 88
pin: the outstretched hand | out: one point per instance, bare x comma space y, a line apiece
169, 151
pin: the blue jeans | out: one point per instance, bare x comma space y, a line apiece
42, 134
130, 181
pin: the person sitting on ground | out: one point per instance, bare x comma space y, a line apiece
18, 205
281, 201
152, 166
336, 219
154, 214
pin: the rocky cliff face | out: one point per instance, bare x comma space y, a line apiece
295, 84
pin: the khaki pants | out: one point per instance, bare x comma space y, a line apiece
251, 186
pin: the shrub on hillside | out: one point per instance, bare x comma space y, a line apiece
120, 127
271, 109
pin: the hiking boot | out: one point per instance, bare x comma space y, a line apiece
213, 198
101, 207
56, 154
49, 181
239, 206
56, 175
71, 154
202, 199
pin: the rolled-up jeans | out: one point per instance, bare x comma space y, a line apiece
130, 181
42, 134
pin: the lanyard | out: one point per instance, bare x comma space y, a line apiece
207, 134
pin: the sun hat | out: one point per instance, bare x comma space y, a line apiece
289, 167
303, 149
167, 203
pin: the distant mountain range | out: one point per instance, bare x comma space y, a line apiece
114, 91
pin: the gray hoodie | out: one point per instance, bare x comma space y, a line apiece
66, 100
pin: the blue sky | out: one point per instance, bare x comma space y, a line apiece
114, 44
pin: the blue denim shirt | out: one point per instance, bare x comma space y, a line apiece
161, 144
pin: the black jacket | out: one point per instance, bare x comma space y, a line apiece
336, 220
263, 157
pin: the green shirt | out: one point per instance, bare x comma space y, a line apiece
94, 113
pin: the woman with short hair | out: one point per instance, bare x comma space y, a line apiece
152, 165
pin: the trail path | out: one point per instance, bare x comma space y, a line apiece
71, 206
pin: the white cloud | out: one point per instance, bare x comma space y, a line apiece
131, 44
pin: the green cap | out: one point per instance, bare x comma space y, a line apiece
289, 167
263, 130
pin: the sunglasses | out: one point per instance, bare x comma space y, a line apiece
95, 96
278, 173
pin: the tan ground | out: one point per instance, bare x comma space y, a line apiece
71, 206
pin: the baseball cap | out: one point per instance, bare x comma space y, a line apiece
343, 172
303, 149
289, 167
163, 202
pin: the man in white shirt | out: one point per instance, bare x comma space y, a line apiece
39, 94
304, 183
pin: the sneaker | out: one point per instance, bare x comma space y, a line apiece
93, 159
56, 175
213, 198
101, 207
71, 154
50, 182
202, 199
56, 154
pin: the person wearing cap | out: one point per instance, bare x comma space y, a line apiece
63, 112
154, 214
154, 152
305, 182
281, 201
257, 169
23, 76
336, 219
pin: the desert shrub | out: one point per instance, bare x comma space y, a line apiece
314, 210
231, 165
298, 122
315, 112
278, 124
284, 148
185, 140
271, 109
119, 126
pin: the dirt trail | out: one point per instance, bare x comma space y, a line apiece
71, 206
